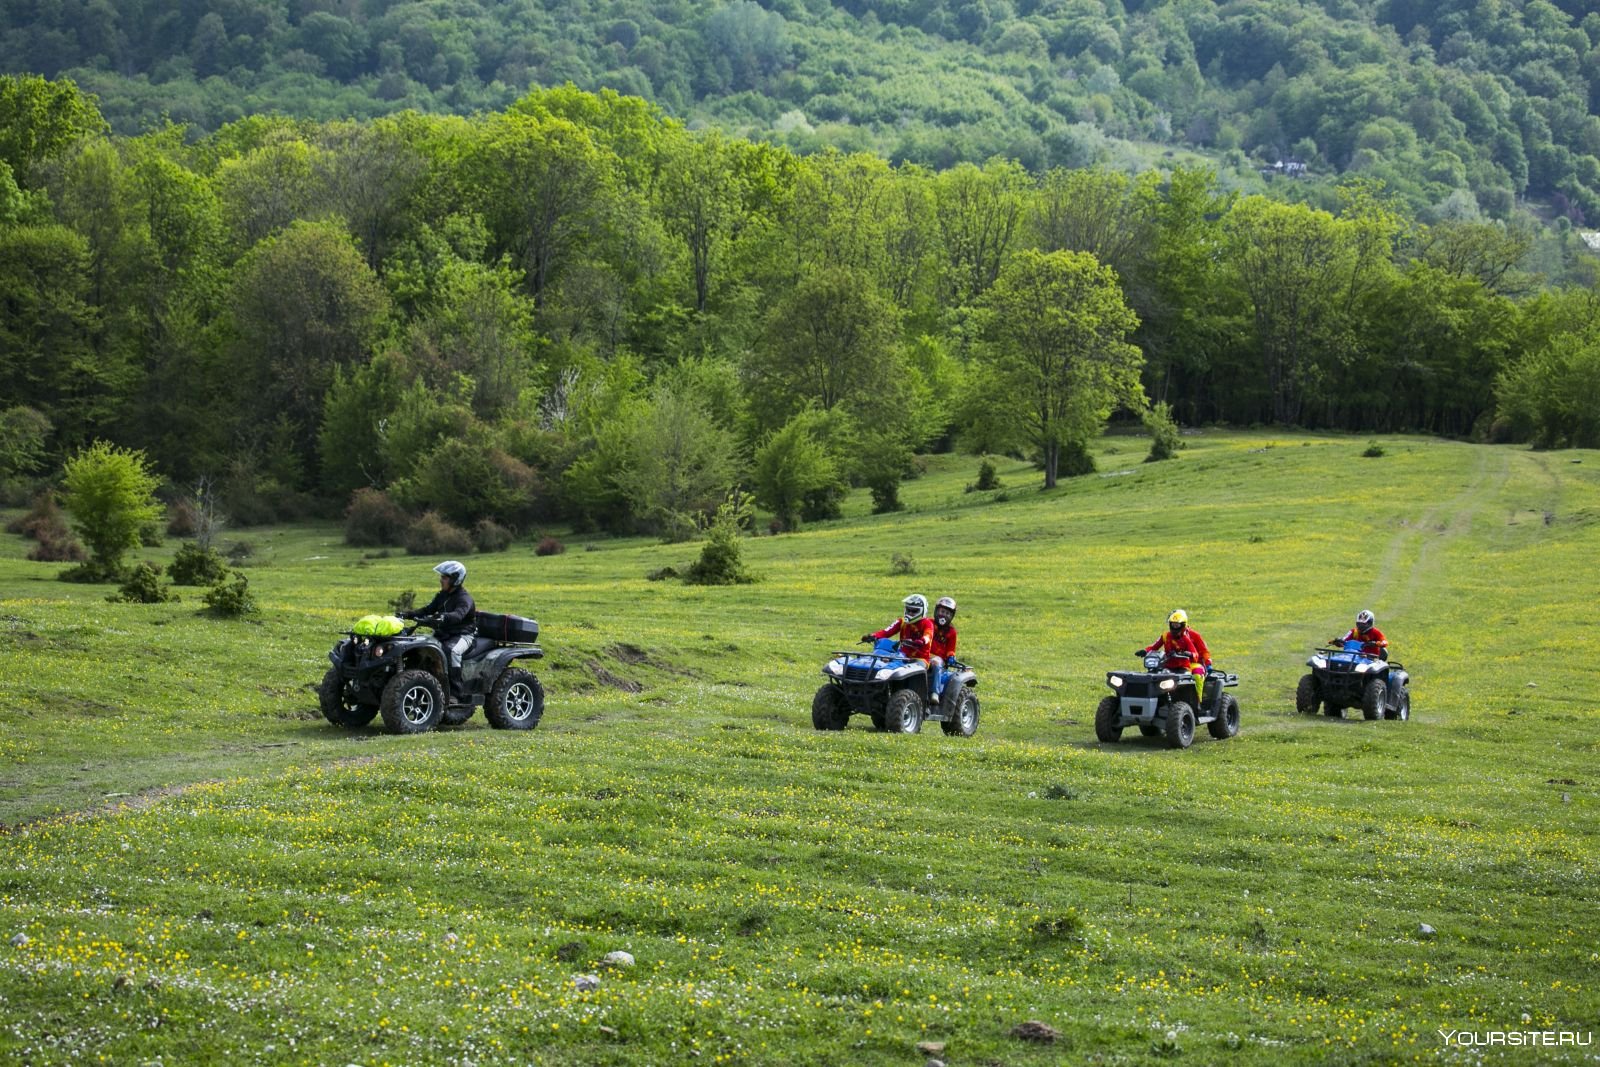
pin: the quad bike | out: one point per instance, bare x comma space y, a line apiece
893, 691
384, 667
1343, 676
1165, 703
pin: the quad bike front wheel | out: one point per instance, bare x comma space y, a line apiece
1306, 697
336, 705
517, 701
961, 716
1180, 724
1226, 724
904, 714
413, 703
1105, 720
1374, 699
829, 709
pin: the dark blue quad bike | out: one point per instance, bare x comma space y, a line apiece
1165, 703
384, 667
893, 691
1342, 676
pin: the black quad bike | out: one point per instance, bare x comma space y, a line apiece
1346, 677
1164, 703
893, 691
384, 667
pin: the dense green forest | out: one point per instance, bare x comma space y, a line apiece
1458, 106
577, 309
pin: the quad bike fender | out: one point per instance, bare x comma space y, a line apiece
428, 658
483, 673
966, 678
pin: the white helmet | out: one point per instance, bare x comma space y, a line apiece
916, 606
452, 569
1364, 619
946, 602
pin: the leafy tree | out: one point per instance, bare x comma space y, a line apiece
304, 303
829, 340
683, 464
1057, 327
23, 433
111, 495
795, 465
978, 214
47, 326
39, 120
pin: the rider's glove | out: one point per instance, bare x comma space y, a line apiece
1140, 651
866, 639
408, 614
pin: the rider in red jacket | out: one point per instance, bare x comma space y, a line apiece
1179, 638
1373, 643
944, 640
914, 627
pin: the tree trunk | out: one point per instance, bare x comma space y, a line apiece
1052, 463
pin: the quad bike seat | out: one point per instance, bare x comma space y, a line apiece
481, 646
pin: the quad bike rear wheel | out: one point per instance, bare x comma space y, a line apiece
413, 703
829, 709
516, 702
336, 705
1180, 724
1105, 720
961, 711
1306, 697
1374, 699
904, 714
1226, 724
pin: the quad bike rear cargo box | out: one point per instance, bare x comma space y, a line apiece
507, 627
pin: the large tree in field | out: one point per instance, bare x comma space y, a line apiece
1305, 273
1057, 328
829, 342
304, 302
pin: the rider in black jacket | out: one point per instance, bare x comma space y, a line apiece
454, 616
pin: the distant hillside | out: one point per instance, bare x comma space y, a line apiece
1460, 106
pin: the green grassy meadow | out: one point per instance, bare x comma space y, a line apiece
203, 871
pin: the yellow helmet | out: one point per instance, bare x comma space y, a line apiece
1180, 616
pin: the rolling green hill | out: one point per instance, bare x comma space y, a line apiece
197, 868
1459, 106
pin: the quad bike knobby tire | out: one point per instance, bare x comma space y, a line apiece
336, 709
516, 702
829, 710
904, 714
413, 703
1226, 724
1306, 697
1105, 720
1180, 724
1374, 699
961, 711
1402, 710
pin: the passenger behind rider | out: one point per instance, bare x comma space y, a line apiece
914, 628
1373, 643
1180, 639
943, 646
454, 617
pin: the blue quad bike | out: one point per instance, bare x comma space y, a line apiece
384, 667
893, 691
1342, 676
1165, 703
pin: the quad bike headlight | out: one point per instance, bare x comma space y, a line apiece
883, 672
1168, 683
1319, 662
1114, 680
381, 650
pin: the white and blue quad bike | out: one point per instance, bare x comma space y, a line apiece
892, 690
1343, 676
1165, 703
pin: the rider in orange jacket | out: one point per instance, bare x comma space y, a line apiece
914, 627
1373, 643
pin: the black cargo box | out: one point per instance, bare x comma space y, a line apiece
507, 627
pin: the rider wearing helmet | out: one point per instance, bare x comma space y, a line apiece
1373, 643
1179, 639
914, 627
453, 615
944, 640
